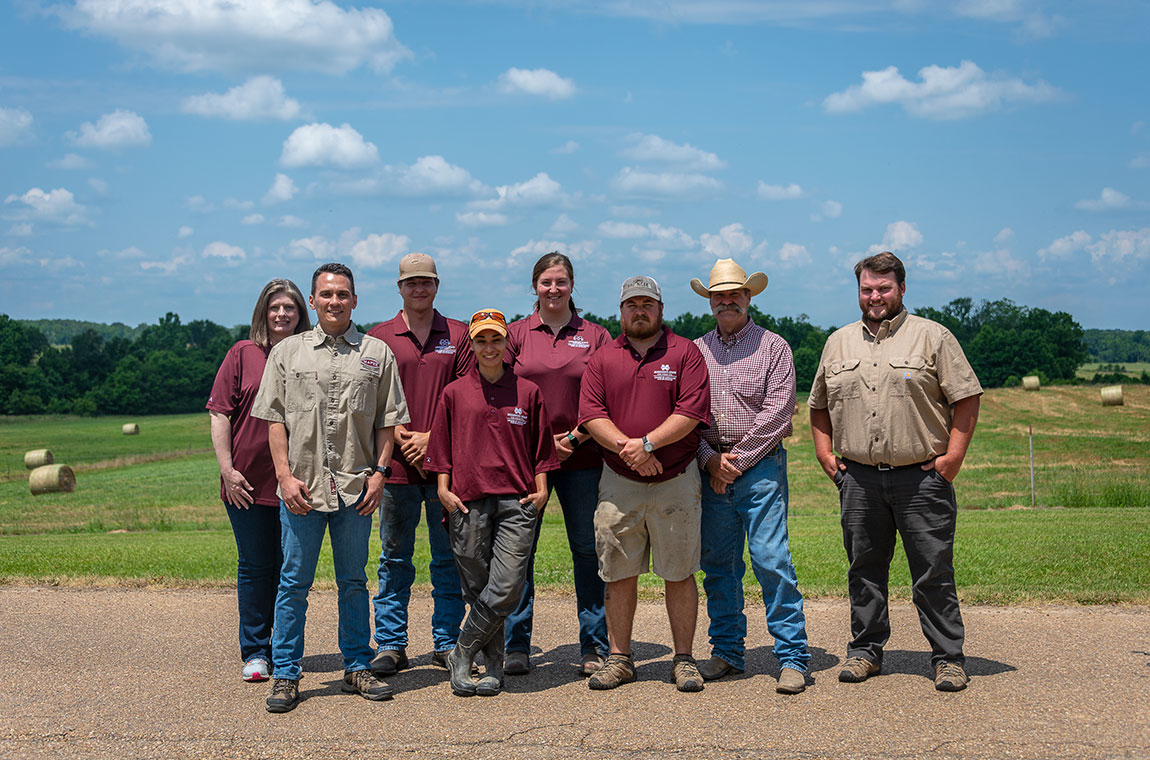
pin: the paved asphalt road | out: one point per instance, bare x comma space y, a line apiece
154, 674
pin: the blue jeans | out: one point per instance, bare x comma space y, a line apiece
399, 512
578, 492
755, 505
257, 532
302, 539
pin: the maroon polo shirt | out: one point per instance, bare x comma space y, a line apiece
233, 393
492, 437
555, 362
638, 394
425, 370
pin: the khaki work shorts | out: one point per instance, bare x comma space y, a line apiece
637, 522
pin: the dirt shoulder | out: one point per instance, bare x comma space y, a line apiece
142, 674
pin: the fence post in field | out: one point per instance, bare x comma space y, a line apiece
1030, 429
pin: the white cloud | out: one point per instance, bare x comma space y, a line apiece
237, 204
185, 231
21, 229
943, 92
291, 221
481, 219
633, 211
654, 148
57, 206
1121, 247
434, 175
779, 192
1110, 200
1063, 247
542, 82
899, 236
562, 225
1004, 235
731, 242
1141, 161
98, 185
282, 189
14, 255
199, 204
671, 237
566, 148
794, 255
325, 145
253, 219
668, 184
15, 126
1001, 263
245, 35
70, 161
540, 190
131, 252
119, 129
622, 230
180, 257
828, 210
257, 99
230, 253
579, 251
370, 252
1034, 22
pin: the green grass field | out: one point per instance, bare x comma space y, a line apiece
1134, 369
146, 508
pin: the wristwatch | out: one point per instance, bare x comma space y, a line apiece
385, 471
647, 445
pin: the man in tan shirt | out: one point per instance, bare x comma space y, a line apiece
332, 397
895, 396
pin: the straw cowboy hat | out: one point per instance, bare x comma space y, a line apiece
727, 275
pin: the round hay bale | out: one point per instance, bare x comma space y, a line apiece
1030, 383
1112, 395
131, 429
37, 458
51, 478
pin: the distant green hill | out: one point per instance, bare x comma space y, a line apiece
1118, 346
60, 332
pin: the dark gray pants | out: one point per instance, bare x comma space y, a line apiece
921, 507
492, 548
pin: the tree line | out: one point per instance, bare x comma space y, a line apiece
169, 367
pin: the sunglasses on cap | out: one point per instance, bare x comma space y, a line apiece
492, 314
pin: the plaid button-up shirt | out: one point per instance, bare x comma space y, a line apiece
752, 394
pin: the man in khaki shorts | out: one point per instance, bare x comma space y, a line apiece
644, 398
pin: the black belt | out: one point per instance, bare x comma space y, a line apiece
883, 467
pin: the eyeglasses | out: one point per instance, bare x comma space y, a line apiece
492, 314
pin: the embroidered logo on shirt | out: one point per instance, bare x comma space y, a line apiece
578, 341
445, 346
665, 373
517, 417
369, 363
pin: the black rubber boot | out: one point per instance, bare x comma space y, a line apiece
492, 681
477, 629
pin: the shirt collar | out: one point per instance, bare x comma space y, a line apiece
664, 339
887, 327
742, 333
351, 336
438, 323
535, 322
504, 381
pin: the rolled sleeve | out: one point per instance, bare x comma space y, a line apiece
593, 392
271, 401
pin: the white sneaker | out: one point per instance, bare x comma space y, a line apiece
256, 669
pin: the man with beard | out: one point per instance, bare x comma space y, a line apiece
895, 396
745, 484
643, 398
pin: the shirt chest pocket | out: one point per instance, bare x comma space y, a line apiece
844, 380
749, 388
911, 375
301, 390
363, 395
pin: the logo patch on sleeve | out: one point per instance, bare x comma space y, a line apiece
517, 417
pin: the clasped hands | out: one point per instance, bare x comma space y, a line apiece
643, 462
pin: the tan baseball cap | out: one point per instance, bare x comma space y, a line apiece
640, 285
417, 265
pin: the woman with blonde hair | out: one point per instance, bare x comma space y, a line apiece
247, 476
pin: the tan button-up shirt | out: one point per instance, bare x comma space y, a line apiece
331, 393
890, 394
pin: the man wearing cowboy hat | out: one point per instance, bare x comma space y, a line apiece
745, 480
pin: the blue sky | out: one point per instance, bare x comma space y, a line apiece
173, 155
